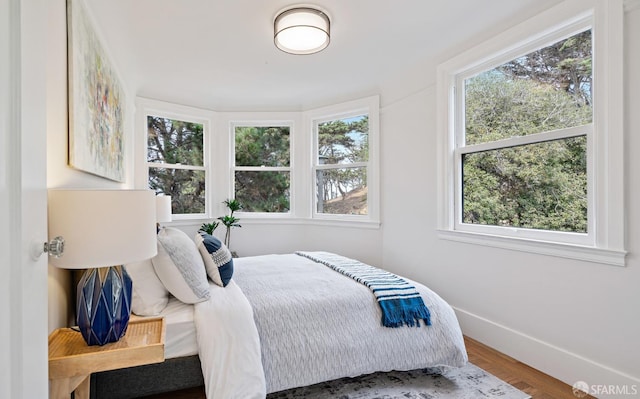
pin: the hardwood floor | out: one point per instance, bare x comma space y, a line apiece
521, 376
527, 379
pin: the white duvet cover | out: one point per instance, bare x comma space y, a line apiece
317, 325
228, 345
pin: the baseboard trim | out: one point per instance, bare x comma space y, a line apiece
550, 359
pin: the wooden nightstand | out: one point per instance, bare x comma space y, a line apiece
71, 360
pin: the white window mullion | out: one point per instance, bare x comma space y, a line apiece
529, 139
343, 166
160, 165
262, 169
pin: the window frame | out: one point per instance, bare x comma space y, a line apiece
368, 106
604, 241
146, 107
219, 136
461, 148
234, 168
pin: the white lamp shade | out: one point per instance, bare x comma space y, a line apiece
163, 208
102, 227
301, 30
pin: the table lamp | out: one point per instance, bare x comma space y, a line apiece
163, 209
102, 230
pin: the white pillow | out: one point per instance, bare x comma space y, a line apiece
149, 296
179, 266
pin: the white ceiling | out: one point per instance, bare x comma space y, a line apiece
219, 54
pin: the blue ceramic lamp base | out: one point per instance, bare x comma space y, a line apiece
104, 304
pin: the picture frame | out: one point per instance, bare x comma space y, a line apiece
97, 103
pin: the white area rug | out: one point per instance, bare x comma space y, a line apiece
468, 382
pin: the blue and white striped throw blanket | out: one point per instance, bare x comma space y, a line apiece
400, 302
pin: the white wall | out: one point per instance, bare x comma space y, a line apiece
260, 238
59, 174
256, 239
574, 320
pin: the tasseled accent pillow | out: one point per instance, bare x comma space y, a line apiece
217, 258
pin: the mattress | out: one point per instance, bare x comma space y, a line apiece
180, 334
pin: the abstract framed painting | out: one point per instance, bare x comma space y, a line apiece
96, 101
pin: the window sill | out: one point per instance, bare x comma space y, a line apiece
281, 220
569, 251
360, 224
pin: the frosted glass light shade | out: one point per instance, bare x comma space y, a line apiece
102, 227
301, 30
163, 208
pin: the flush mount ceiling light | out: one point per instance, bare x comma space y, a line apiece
301, 30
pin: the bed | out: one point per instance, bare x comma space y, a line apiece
302, 322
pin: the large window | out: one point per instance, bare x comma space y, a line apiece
344, 183
340, 165
533, 149
262, 175
523, 154
175, 159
